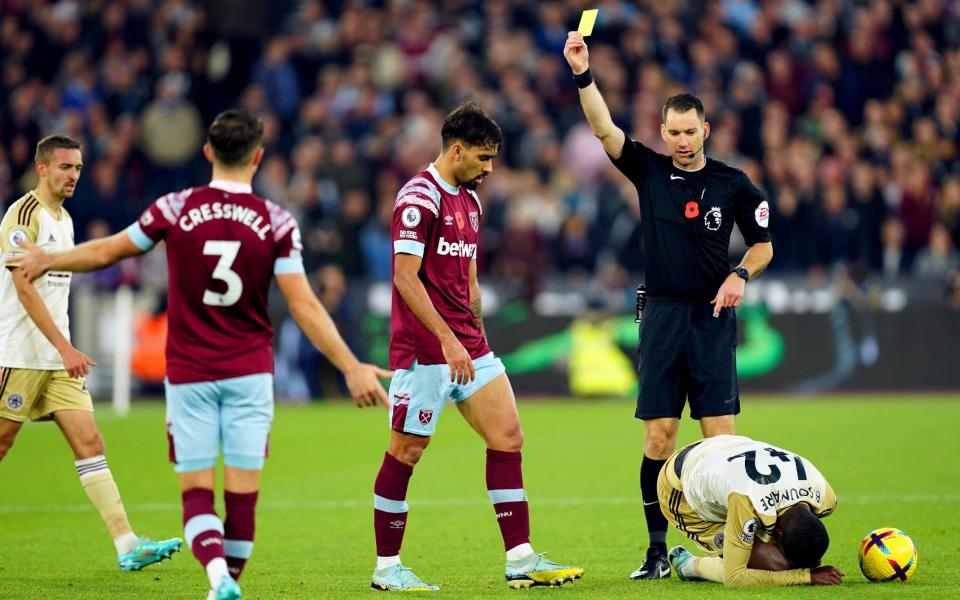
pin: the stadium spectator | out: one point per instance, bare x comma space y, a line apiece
894, 262
939, 257
322, 377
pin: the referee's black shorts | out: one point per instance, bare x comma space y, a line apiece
686, 352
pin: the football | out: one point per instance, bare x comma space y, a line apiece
887, 554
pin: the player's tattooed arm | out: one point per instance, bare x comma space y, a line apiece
478, 315
475, 305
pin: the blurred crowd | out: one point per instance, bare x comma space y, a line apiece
846, 113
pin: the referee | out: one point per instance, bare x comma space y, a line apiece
688, 338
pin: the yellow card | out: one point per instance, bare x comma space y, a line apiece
587, 19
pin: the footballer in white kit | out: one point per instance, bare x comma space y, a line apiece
733, 496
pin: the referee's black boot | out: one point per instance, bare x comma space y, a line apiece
655, 565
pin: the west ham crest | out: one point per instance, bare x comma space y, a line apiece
475, 220
425, 416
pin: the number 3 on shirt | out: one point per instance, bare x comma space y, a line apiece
227, 251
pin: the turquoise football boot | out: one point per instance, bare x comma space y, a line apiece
399, 578
226, 590
679, 557
536, 569
147, 552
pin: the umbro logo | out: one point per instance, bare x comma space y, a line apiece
674, 177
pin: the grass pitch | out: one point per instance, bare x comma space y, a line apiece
893, 461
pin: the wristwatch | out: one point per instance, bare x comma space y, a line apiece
742, 273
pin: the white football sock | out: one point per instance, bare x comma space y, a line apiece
216, 569
519, 552
125, 542
385, 562
689, 568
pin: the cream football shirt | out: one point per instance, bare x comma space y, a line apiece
22, 345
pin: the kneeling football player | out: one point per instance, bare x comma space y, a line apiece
754, 508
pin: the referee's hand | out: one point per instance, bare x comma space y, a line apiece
730, 294
576, 53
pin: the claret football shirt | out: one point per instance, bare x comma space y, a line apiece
224, 245
440, 223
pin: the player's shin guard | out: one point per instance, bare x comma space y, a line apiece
656, 522
97, 482
203, 531
238, 530
390, 505
505, 486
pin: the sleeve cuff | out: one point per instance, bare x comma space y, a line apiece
288, 265
139, 238
408, 247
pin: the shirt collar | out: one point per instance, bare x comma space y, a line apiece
232, 186
450, 189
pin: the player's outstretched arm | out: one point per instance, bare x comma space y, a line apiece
406, 278
594, 107
89, 256
75, 363
314, 320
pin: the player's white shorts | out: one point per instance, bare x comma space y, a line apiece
417, 394
236, 413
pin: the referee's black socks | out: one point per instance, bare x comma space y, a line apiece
656, 522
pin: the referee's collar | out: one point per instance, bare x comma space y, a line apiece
450, 189
234, 187
674, 164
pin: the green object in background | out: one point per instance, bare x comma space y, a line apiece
597, 366
763, 348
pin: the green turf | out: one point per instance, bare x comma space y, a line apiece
892, 462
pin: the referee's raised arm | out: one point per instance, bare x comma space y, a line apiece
595, 109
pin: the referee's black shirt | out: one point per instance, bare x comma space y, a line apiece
686, 220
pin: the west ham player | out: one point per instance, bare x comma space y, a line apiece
41, 373
439, 350
224, 244
753, 507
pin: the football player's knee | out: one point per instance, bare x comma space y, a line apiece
90, 445
513, 439
411, 454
